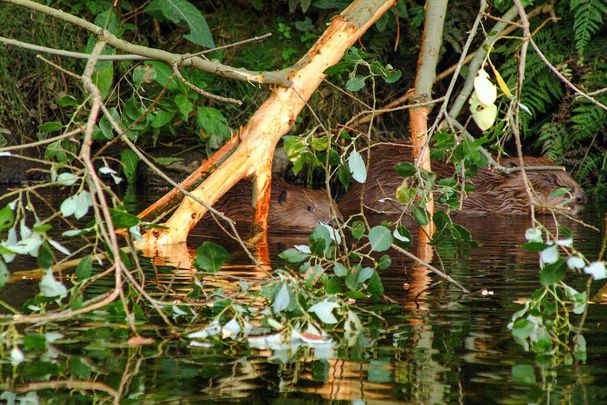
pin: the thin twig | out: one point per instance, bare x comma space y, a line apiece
278, 77
233, 44
201, 91
430, 267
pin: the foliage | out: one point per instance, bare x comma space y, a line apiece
544, 324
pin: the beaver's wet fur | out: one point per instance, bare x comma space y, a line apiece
291, 207
495, 192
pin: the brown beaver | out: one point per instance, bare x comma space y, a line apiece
291, 206
494, 191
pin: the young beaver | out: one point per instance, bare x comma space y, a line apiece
494, 192
290, 206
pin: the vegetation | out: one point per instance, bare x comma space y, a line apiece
90, 123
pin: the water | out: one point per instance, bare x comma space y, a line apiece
436, 345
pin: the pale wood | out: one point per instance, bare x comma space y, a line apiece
274, 118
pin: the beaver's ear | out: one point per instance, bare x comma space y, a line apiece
282, 198
510, 163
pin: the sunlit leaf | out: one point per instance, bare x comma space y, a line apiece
357, 167
17, 356
484, 89
596, 270
324, 311
282, 300
575, 262
49, 287
550, 254
533, 235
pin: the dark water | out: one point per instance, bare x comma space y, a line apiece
436, 345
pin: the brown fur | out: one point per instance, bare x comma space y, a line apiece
290, 206
495, 192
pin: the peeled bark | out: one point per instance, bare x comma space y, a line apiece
426, 73
271, 121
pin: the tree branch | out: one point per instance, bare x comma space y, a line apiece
277, 77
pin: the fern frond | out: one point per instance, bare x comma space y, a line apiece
587, 121
588, 19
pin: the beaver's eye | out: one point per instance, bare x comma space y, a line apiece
550, 180
310, 208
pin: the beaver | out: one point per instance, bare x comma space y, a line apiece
494, 191
291, 206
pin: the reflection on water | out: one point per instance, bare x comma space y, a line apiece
437, 345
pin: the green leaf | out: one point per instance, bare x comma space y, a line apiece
375, 287
7, 217
68, 101
214, 124
164, 75
355, 83
380, 238
402, 237
522, 328
534, 246
34, 342
184, 105
178, 11
161, 118
365, 274
84, 268
384, 262
553, 273
320, 240
79, 368
340, 270
405, 169
45, 256
123, 219
282, 299
559, 192
420, 215
293, 256
523, 374
129, 160
50, 126
210, 256
4, 274
358, 229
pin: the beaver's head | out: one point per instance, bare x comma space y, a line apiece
302, 208
553, 190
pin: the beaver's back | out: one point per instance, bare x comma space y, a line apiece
495, 191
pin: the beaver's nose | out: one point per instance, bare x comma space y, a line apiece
580, 197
